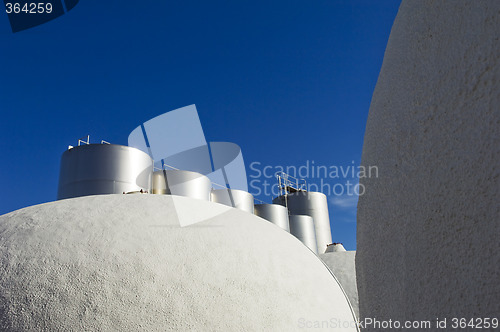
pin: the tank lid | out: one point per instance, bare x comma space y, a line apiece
335, 247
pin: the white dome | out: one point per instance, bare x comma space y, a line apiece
125, 263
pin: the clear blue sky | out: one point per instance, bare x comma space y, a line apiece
288, 81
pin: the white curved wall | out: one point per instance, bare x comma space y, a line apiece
158, 263
428, 227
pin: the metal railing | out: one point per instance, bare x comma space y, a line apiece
87, 142
288, 184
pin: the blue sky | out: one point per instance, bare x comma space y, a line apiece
288, 81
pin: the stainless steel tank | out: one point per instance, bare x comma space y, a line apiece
302, 227
232, 197
313, 204
275, 213
96, 169
182, 183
